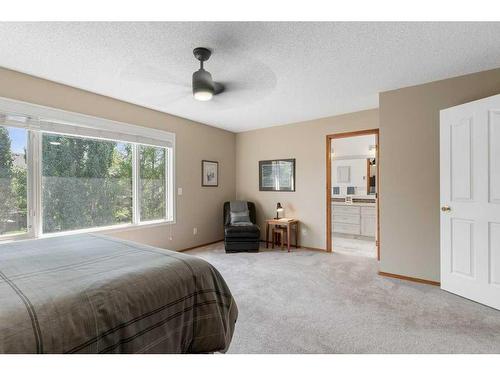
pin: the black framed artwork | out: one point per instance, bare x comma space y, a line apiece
209, 173
277, 175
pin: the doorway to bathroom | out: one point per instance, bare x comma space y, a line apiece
352, 193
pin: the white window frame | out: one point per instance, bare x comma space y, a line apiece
40, 119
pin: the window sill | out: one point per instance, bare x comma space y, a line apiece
14, 237
104, 230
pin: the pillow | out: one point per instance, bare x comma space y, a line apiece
240, 218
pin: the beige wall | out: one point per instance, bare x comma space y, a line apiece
409, 164
197, 207
306, 142
409, 169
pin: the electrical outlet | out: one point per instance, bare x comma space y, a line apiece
195, 231
179, 191
303, 231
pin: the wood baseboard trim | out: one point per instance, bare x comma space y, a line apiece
201, 245
408, 278
312, 248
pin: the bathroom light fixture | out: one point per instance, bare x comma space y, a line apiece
372, 150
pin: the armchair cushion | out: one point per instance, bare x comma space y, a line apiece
239, 213
250, 231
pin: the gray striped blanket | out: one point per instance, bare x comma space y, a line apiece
95, 294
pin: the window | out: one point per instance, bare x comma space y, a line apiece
13, 181
152, 182
58, 177
86, 183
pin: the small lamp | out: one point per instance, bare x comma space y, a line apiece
278, 210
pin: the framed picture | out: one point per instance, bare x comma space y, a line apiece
209, 173
277, 175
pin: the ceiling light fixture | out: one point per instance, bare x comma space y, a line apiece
204, 88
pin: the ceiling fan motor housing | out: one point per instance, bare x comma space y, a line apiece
202, 53
202, 82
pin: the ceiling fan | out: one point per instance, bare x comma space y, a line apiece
247, 79
204, 87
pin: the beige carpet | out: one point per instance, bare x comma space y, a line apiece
314, 302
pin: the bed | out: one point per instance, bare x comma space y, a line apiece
92, 293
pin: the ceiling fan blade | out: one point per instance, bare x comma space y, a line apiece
138, 72
218, 88
163, 97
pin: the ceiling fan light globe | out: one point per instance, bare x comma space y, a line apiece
203, 96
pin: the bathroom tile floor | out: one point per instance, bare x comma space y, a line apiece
354, 246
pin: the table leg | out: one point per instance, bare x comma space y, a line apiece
267, 236
297, 235
288, 236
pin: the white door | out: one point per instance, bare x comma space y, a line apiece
470, 200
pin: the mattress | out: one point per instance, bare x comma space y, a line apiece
91, 293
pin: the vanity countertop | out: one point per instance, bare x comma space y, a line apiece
366, 196
359, 200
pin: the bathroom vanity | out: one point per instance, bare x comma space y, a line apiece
355, 216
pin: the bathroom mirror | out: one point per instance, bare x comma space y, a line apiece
371, 173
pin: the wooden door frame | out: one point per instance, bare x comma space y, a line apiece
329, 139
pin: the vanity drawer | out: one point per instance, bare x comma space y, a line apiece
345, 210
346, 228
368, 211
345, 218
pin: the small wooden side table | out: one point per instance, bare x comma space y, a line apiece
290, 223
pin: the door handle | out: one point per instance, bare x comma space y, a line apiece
446, 208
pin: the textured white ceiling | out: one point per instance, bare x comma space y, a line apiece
275, 73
